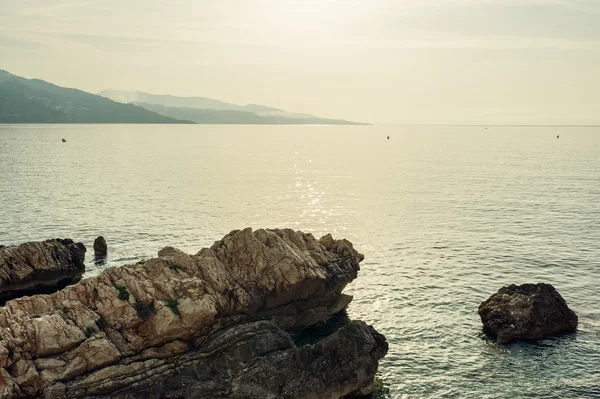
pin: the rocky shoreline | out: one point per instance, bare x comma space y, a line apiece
220, 323
260, 314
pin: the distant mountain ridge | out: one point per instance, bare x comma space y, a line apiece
36, 101
233, 117
207, 110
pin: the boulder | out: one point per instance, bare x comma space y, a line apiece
225, 322
40, 267
100, 247
528, 311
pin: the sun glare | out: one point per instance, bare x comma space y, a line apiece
322, 15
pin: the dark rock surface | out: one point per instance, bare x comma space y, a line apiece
250, 360
40, 267
100, 247
528, 311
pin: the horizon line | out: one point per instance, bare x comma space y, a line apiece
305, 125
481, 125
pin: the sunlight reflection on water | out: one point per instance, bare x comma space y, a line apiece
444, 215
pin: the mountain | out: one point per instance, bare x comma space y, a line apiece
207, 110
232, 117
168, 101
36, 101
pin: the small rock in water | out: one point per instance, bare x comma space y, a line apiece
100, 248
528, 311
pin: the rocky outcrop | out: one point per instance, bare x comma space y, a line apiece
215, 324
100, 247
250, 360
37, 267
528, 311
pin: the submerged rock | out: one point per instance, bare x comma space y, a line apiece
40, 267
528, 311
100, 247
219, 323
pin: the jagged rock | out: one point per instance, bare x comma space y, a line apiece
100, 247
250, 360
218, 323
528, 311
40, 267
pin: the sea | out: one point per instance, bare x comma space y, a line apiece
445, 216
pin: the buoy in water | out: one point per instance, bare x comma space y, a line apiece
64, 141
558, 136
388, 137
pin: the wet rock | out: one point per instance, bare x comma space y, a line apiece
528, 311
100, 247
220, 323
40, 267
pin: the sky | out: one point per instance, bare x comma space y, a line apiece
377, 61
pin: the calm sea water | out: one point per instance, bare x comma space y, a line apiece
445, 216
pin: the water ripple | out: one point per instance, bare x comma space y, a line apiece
444, 216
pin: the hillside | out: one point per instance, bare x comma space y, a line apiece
207, 110
36, 101
211, 116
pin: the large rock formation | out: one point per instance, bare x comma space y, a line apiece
40, 267
220, 323
528, 311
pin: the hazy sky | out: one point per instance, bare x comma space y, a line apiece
381, 61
